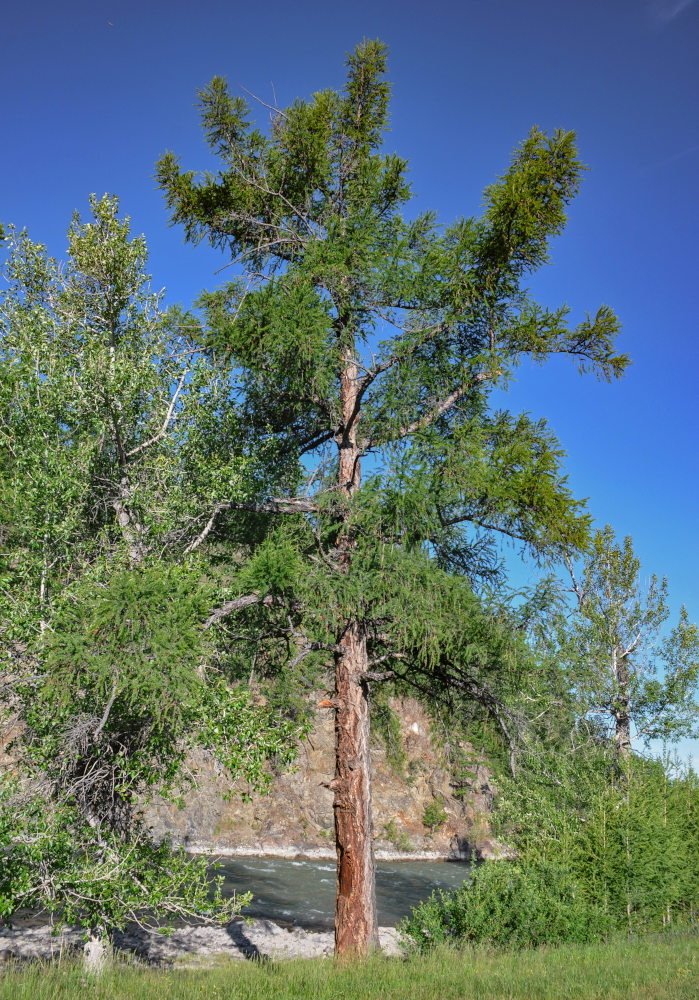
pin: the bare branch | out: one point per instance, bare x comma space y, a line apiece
577, 587
254, 250
486, 525
280, 505
166, 423
373, 675
382, 659
206, 531
270, 107
277, 505
313, 647
398, 358
251, 180
438, 408
445, 404
108, 708
237, 604
310, 444
627, 652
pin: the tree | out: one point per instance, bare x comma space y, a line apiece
363, 337
108, 671
628, 670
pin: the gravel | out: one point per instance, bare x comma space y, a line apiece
241, 939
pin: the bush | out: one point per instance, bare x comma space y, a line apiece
507, 904
434, 814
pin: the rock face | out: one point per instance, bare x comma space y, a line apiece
296, 818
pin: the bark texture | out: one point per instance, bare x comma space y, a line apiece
131, 530
622, 711
356, 924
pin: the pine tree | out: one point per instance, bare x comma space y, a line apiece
366, 344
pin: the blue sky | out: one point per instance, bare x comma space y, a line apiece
94, 92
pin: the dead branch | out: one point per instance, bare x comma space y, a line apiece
166, 422
277, 505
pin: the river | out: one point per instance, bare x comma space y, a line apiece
303, 892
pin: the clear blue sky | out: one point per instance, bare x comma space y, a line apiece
94, 92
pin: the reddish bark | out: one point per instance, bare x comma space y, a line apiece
356, 924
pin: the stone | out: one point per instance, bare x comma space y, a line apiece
296, 819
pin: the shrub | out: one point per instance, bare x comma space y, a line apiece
507, 904
434, 814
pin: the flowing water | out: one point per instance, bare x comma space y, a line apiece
303, 892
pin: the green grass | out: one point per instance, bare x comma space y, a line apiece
653, 968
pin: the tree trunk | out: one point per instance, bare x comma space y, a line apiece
356, 924
131, 530
622, 714
95, 954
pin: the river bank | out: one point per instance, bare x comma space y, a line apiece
652, 968
185, 946
294, 818
293, 852
291, 914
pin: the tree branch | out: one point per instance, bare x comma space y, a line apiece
627, 652
310, 444
437, 410
107, 710
277, 505
374, 675
577, 587
237, 604
445, 404
450, 522
166, 423
313, 647
398, 358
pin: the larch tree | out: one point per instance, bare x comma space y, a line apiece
366, 344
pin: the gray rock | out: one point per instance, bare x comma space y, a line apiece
296, 817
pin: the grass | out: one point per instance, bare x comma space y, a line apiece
653, 968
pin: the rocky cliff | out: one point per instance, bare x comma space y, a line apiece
295, 817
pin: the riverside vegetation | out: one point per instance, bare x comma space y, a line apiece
651, 968
188, 549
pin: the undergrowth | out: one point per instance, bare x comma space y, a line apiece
659, 967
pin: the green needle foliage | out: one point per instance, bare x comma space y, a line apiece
336, 282
312, 214
362, 333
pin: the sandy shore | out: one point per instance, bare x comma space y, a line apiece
241, 939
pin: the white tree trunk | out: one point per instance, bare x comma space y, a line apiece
96, 955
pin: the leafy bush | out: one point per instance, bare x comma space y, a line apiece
507, 904
123, 684
49, 861
399, 839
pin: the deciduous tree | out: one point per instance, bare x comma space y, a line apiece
108, 673
636, 676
